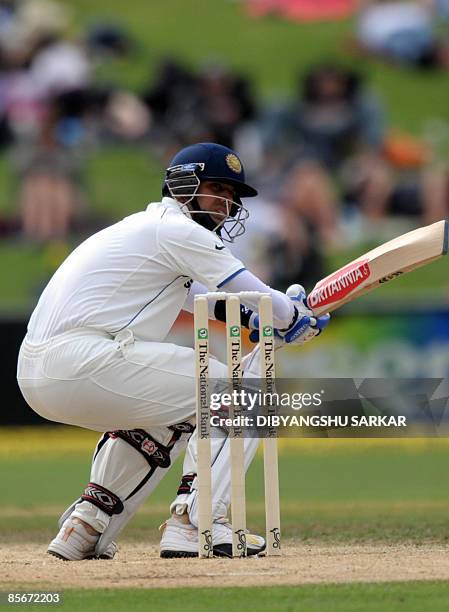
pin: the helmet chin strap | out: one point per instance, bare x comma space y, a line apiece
230, 227
204, 217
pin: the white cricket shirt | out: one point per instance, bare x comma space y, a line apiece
133, 274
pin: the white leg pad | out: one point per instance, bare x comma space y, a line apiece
130, 506
120, 468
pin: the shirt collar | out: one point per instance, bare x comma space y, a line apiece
167, 202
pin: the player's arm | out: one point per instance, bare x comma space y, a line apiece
297, 332
298, 324
198, 254
283, 308
217, 308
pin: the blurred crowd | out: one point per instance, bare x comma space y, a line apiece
410, 33
327, 162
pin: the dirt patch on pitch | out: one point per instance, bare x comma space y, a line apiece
138, 565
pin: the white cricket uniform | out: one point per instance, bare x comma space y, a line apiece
94, 354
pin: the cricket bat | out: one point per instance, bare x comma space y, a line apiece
382, 264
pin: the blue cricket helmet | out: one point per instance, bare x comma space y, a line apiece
213, 162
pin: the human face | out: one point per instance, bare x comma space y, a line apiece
215, 197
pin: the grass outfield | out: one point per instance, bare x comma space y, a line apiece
340, 492
394, 597
331, 490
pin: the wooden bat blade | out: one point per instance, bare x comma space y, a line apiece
382, 264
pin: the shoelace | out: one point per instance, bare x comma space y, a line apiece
223, 520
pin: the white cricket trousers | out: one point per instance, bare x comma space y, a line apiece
89, 379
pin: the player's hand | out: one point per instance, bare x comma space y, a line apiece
304, 330
254, 335
254, 332
298, 295
306, 325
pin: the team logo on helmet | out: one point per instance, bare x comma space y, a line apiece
234, 163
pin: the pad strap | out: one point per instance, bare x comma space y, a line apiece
102, 498
156, 454
184, 427
186, 484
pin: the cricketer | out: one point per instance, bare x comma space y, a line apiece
95, 354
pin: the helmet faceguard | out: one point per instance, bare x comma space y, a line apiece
183, 184
209, 162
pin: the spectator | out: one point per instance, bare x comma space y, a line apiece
172, 101
333, 120
225, 103
344, 159
187, 107
106, 40
60, 66
49, 170
126, 118
295, 253
420, 187
402, 32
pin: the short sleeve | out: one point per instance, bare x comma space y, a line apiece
199, 254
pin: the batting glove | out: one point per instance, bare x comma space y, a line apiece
306, 326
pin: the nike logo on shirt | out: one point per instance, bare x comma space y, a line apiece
219, 248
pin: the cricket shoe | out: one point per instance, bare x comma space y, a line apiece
181, 540
74, 543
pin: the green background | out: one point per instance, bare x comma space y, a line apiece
272, 52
